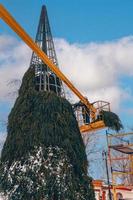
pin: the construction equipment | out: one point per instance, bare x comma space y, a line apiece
120, 157
93, 109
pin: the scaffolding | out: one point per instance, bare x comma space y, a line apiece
120, 158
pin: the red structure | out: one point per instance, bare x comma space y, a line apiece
122, 192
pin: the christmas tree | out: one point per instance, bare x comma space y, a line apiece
44, 155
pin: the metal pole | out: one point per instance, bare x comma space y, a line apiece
104, 154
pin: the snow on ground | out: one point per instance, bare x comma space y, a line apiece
2, 197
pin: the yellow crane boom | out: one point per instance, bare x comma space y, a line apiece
6, 16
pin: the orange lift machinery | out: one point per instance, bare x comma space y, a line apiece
94, 109
120, 157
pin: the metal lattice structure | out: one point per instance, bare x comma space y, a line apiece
45, 79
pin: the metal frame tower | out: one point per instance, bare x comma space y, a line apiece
45, 79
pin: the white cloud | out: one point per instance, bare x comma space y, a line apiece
94, 68
2, 140
14, 61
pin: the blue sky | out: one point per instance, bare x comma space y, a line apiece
94, 35
77, 20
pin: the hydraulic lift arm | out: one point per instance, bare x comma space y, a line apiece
6, 16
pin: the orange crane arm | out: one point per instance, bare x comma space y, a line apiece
5, 15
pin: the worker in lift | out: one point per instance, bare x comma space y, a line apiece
86, 115
85, 111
